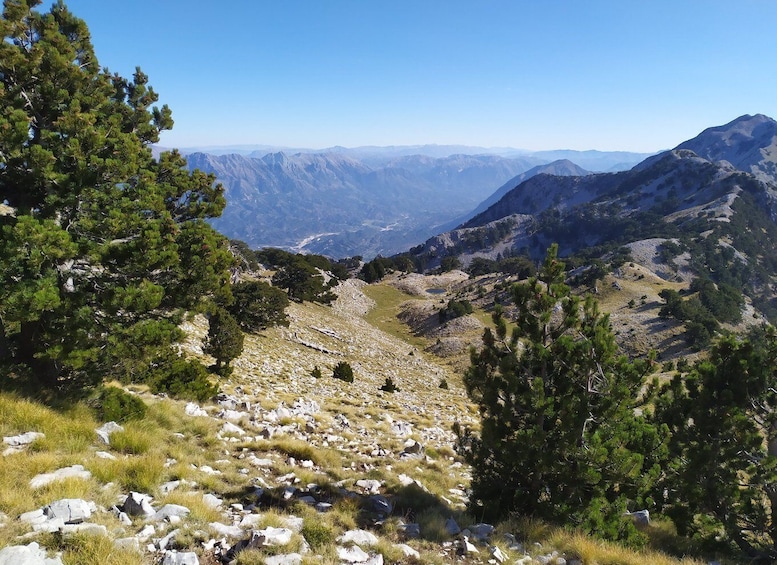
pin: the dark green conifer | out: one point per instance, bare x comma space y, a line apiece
559, 436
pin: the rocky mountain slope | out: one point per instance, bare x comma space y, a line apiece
721, 217
337, 205
364, 201
560, 168
282, 468
749, 143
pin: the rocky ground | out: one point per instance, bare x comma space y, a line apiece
284, 467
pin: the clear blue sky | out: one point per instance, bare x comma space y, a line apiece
635, 75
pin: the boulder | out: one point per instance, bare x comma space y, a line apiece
358, 537
452, 527
169, 510
74, 471
104, 432
31, 554
70, 510
138, 504
193, 410
409, 551
176, 558
270, 537
287, 559
640, 517
354, 554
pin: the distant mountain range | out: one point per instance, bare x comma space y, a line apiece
368, 200
714, 196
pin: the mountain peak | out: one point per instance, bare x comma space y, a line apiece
749, 143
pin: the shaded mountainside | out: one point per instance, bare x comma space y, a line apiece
337, 205
562, 168
718, 218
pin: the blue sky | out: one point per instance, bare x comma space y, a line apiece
632, 75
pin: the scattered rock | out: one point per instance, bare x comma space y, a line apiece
640, 517
18, 443
104, 432
138, 504
70, 510
193, 410
286, 559
358, 537
75, 471
31, 554
354, 554
175, 558
169, 510
452, 527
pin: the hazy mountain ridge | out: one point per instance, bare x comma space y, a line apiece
337, 205
562, 167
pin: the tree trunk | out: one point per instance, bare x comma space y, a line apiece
5, 351
772, 452
45, 370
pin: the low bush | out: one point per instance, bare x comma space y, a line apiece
343, 371
389, 386
182, 378
117, 405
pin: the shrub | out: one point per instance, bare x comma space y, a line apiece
182, 378
317, 533
389, 386
343, 371
115, 404
455, 309
316, 372
444, 384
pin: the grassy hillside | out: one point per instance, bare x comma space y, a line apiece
321, 436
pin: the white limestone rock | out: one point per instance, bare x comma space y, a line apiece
104, 432
31, 554
74, 471
70, 510
358, 537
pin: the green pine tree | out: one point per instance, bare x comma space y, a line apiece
106, 246
224, 341
559, 437
721, 483
256, 305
